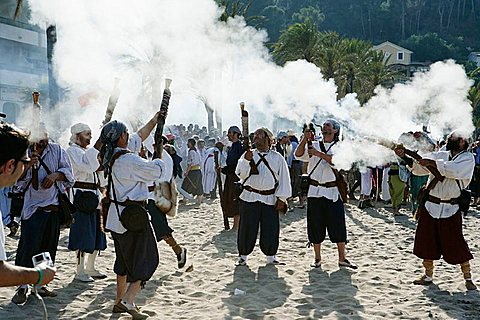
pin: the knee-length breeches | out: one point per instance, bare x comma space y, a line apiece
325, 215
252, 216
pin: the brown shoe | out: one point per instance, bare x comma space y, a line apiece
470, 285
422, 281
119, 308
45, 292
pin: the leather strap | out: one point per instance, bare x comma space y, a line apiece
86, 185
51, 207
128, 202
262, 192
329, 184
438, 200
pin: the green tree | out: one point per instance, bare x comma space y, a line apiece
313, 13
299, 41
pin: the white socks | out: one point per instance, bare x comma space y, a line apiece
91, 261
270, 259
80, 263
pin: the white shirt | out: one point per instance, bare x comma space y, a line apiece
194, 158
460, 168
323, 173
130, 175
84, 164
264, 180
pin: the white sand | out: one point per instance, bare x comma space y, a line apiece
381, 288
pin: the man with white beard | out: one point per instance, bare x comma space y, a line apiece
439, 230
264, 195
86, 236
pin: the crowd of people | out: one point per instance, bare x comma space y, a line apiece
122, 187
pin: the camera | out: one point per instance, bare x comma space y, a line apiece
238, 189
43, 257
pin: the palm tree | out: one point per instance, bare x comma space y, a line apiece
231, 9
299, 41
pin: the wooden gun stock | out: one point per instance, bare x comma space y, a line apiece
246, 138
161, 118
35, 171
413, 154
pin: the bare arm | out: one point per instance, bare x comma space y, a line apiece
145, 131
301, 147
11, 275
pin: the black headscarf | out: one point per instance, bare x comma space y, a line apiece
111, 132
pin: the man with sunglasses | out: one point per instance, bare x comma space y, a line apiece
13, 160
40, 218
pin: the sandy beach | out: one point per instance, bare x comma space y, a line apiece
379, 243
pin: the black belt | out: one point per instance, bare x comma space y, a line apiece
438, 200
51, 208
86, 185
128, 202
393, 172
329, 184
262, 192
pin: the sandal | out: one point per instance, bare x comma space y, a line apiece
316, 264
423, 281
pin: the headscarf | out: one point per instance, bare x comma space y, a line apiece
336, 125
235, 129
109, 136
76, 129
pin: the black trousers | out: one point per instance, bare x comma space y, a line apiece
252, 216
39, 233
136, 255
325, 215
159, 221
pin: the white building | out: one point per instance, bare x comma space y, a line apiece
23, 61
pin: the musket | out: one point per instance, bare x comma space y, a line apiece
220, 189
245, 134
161, 118
413, 154
309, 134
112, 102
37, 110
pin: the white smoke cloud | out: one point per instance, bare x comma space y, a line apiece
143, 42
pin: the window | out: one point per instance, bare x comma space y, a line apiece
400, 56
